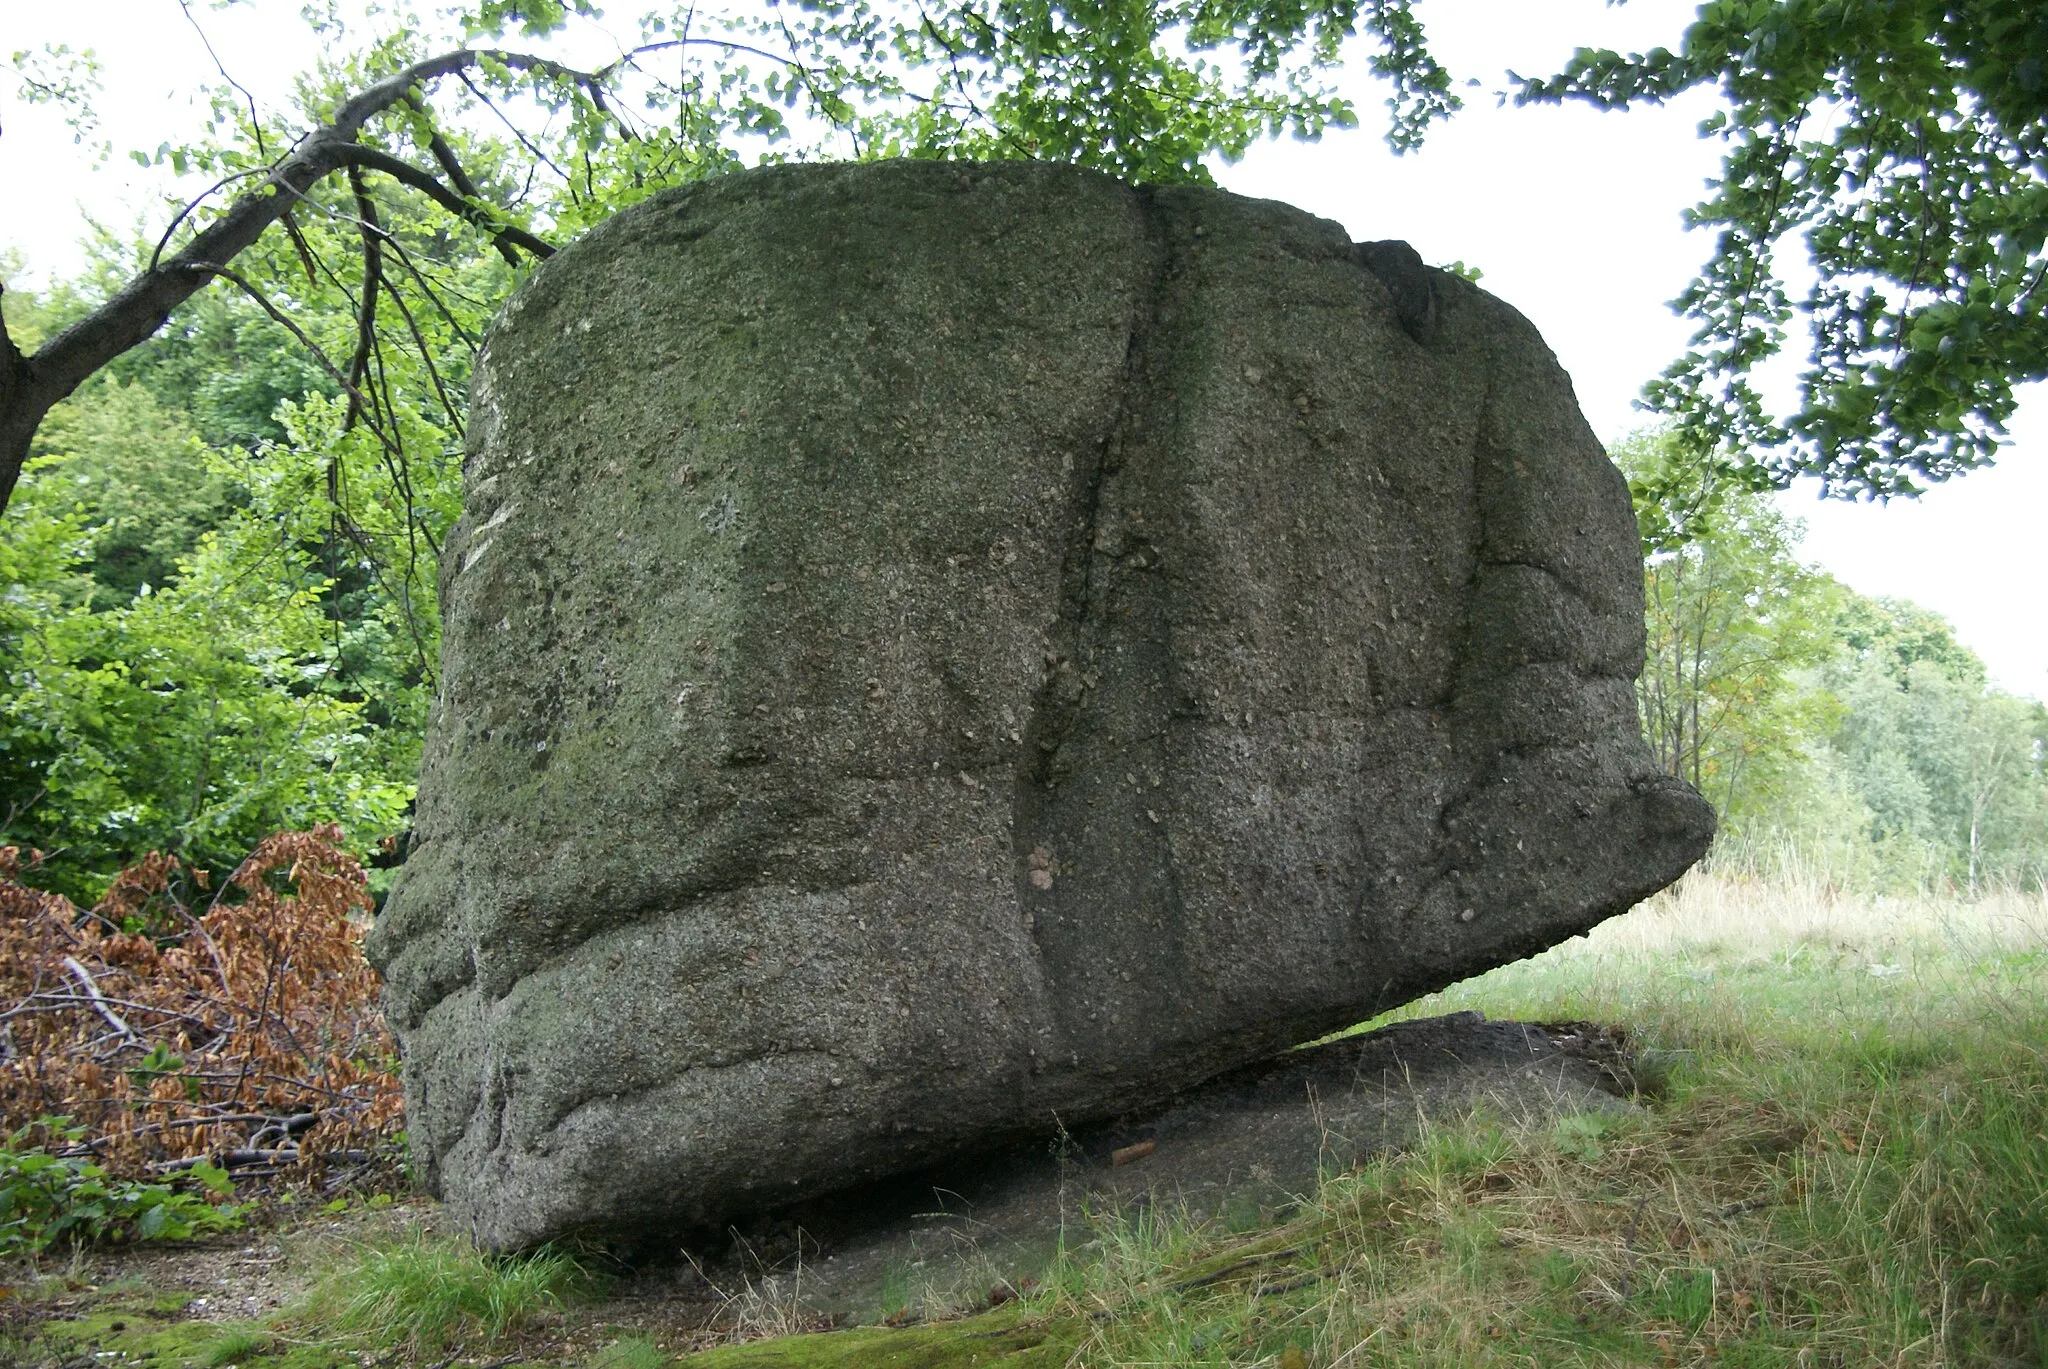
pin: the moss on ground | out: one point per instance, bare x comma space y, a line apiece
150, 1327
1004, 1338
131, 1328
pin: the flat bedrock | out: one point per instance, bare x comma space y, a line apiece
931, 646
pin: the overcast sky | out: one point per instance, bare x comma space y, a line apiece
1573, 216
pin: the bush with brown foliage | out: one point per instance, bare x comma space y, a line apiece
245, 1031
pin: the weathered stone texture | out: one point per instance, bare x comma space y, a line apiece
934, 645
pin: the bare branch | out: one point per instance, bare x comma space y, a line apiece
419, 342
451, 167
445, 158
301, 246
99, 1000
366, 312
506, 236
604, 73
531, 148
283, 320
255, 119
469, 339
192, 205
31, 386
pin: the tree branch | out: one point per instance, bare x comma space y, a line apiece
283, 320
506, 237
366, 313
301, 246
99, 1000
451, 167
31, 386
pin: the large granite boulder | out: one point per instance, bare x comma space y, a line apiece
934, 646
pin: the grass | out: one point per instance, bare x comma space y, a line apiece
631, 1352
424, 1295
1846, 1163
1849, 1166
234, 1345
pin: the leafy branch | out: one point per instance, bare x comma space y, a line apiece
1924, 209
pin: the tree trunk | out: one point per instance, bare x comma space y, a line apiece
19, 417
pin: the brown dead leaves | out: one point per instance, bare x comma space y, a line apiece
173, 1026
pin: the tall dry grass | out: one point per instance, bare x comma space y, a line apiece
1739, 919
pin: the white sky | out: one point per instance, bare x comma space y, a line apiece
1573, 216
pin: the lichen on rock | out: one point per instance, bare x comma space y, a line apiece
963, 643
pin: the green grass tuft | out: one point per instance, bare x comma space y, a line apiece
632, 1352
234, 1345
425, 1296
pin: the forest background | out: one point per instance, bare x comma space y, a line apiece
217, 607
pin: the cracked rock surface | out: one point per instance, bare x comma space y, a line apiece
932, 646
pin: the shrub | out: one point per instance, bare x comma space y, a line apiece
177, 1028
45, 1198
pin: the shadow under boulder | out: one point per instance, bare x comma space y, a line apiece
1242, 1151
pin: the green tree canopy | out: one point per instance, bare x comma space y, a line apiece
1144, 89
1732, 621
125, 465
1895, 635
1904, 145
1900, 141
1947, 767
1858, 733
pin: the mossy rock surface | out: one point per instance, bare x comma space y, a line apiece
932, 648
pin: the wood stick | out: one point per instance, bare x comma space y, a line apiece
99, 1000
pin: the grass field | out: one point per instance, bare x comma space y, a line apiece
1842, 1160
1847, 1165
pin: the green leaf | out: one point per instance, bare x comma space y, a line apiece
214, 1178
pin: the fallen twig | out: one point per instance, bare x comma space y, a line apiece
99, 1000
1229, 1270
57, 1002
1272, 1290
1746, 1205
243, 1156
